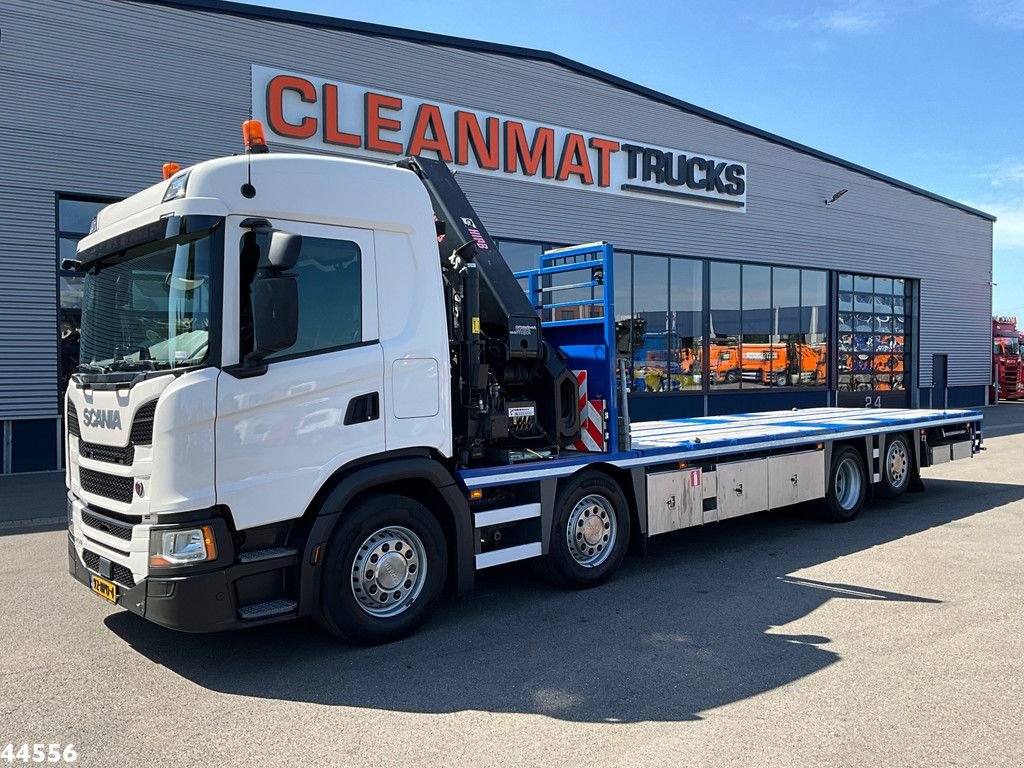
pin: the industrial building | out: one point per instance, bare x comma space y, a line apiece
751, 272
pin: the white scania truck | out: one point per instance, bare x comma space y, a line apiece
310, 386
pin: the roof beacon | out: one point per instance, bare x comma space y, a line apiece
252, 134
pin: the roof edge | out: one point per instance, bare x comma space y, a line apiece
368, 28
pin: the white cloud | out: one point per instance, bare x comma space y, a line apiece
1004, 174
855, 17
1005, 13
1008, 230
858, 18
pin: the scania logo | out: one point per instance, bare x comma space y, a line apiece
102, 418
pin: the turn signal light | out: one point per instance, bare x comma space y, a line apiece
254, 138
476, 495
170, 169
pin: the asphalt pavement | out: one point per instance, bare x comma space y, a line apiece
775, 640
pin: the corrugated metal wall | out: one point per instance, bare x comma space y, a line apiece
99, 93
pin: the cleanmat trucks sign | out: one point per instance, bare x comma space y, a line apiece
361, 122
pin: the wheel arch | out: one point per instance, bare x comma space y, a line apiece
417, 474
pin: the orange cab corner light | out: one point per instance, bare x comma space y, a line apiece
210, 542
170, 169
254, 138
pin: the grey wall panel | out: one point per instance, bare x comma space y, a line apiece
142, 84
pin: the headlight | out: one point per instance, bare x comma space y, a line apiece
181, 546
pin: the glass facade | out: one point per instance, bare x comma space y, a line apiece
873, 333
699, 325
74, 217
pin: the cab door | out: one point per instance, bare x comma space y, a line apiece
282, 433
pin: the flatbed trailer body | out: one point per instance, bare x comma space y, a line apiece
689, 472
715, 437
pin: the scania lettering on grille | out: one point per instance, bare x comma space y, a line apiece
102, 418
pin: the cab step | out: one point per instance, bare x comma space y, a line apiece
266, 609
269, 553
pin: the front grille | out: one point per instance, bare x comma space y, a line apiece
108, 453
118, 572
142, 424
109, 486
105, 524
72, 419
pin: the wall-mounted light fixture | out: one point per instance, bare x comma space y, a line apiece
836, 196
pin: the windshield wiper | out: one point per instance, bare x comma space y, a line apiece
132, 365
90, 368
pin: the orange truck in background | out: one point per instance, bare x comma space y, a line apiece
776, 364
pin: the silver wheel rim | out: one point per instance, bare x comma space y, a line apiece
388, 572
897, 463
591, 531
848, 483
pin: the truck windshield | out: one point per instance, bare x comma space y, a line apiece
1007, 347
149, 308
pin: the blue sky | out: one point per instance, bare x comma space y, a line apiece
927, 91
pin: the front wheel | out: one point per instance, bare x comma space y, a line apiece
589, 534
383, 571
847, 485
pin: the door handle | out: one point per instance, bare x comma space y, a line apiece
363, 408
739, 488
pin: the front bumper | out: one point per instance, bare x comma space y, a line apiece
202, 602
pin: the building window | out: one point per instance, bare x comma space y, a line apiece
768, 327
724, 365
873, 328
651, 344
74, 218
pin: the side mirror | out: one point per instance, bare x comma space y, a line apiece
282, 251
275, 314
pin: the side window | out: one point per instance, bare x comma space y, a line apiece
329, 274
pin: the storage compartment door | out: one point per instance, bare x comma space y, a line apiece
742, 488
795, 477
674, 500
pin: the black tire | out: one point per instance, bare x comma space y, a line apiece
732, 376
897, 466
382, 535
780, 380
579, 565
847, 485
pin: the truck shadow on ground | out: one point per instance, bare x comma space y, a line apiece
687, 628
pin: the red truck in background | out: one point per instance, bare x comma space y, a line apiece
1006, 363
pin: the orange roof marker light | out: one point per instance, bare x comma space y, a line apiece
255, 140
170, 169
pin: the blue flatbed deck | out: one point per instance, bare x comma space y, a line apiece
654, 442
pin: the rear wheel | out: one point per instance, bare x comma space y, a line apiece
384, 569
896, 468
589, 534
847, 485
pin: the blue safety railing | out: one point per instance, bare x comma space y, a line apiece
584, 334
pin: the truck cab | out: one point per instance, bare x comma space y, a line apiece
181, 411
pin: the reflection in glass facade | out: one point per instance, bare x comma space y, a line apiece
873, 334
761, 327
74, 217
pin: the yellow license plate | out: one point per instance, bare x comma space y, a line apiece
104, 588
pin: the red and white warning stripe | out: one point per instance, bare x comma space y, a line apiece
591, 419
